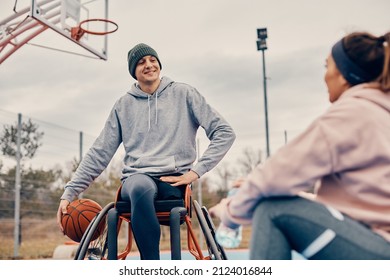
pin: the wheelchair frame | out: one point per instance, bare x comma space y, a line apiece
105, 247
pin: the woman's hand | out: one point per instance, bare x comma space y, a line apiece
217, 210
184, 179
62, 209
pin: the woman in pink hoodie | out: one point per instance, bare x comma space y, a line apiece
346, 151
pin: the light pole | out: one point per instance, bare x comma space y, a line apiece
262, 46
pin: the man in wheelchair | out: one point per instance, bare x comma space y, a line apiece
157, 122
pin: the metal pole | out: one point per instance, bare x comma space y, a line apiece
105, 29
81, 146
80, 153
200, 197
265, 105
285, 137
17, 189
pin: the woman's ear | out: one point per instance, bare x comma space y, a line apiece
344, 85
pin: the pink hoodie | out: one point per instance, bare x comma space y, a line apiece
347, 150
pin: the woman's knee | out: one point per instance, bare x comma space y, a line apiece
266, 207
271, 208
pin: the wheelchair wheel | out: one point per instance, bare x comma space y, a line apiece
95, 249
216, 251
213, 232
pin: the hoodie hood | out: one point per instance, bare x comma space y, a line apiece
137, 92
369, 93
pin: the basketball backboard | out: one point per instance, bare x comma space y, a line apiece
63, 15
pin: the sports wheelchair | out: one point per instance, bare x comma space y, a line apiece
100, 240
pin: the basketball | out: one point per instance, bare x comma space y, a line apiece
79, 214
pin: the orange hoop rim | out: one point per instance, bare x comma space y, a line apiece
96, 32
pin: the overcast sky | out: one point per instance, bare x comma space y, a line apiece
210, 44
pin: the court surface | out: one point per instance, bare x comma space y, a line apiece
237, 254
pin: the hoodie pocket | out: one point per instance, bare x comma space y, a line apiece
156, 164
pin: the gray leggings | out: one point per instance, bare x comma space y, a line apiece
315, 231
141, 190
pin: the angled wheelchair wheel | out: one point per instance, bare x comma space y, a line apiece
90, 247
208, 229
213, 232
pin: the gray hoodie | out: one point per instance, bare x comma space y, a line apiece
158, 133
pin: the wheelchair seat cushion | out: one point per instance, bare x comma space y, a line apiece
160, 205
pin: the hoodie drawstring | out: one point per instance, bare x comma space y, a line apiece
156, 106
149, 110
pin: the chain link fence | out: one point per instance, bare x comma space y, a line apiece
29, 231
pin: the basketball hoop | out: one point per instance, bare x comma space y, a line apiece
78, 31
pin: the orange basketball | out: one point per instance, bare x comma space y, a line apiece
79, 214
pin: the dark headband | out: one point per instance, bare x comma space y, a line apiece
350, 71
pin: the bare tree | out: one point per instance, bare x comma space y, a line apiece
250, 159
224, 174
30, 140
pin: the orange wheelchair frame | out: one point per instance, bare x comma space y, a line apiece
172, 213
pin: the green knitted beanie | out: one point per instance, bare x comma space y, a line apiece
138, 52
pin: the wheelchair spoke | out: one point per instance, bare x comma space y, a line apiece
90, 247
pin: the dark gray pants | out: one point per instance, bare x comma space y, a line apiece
141, 190
283, 224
